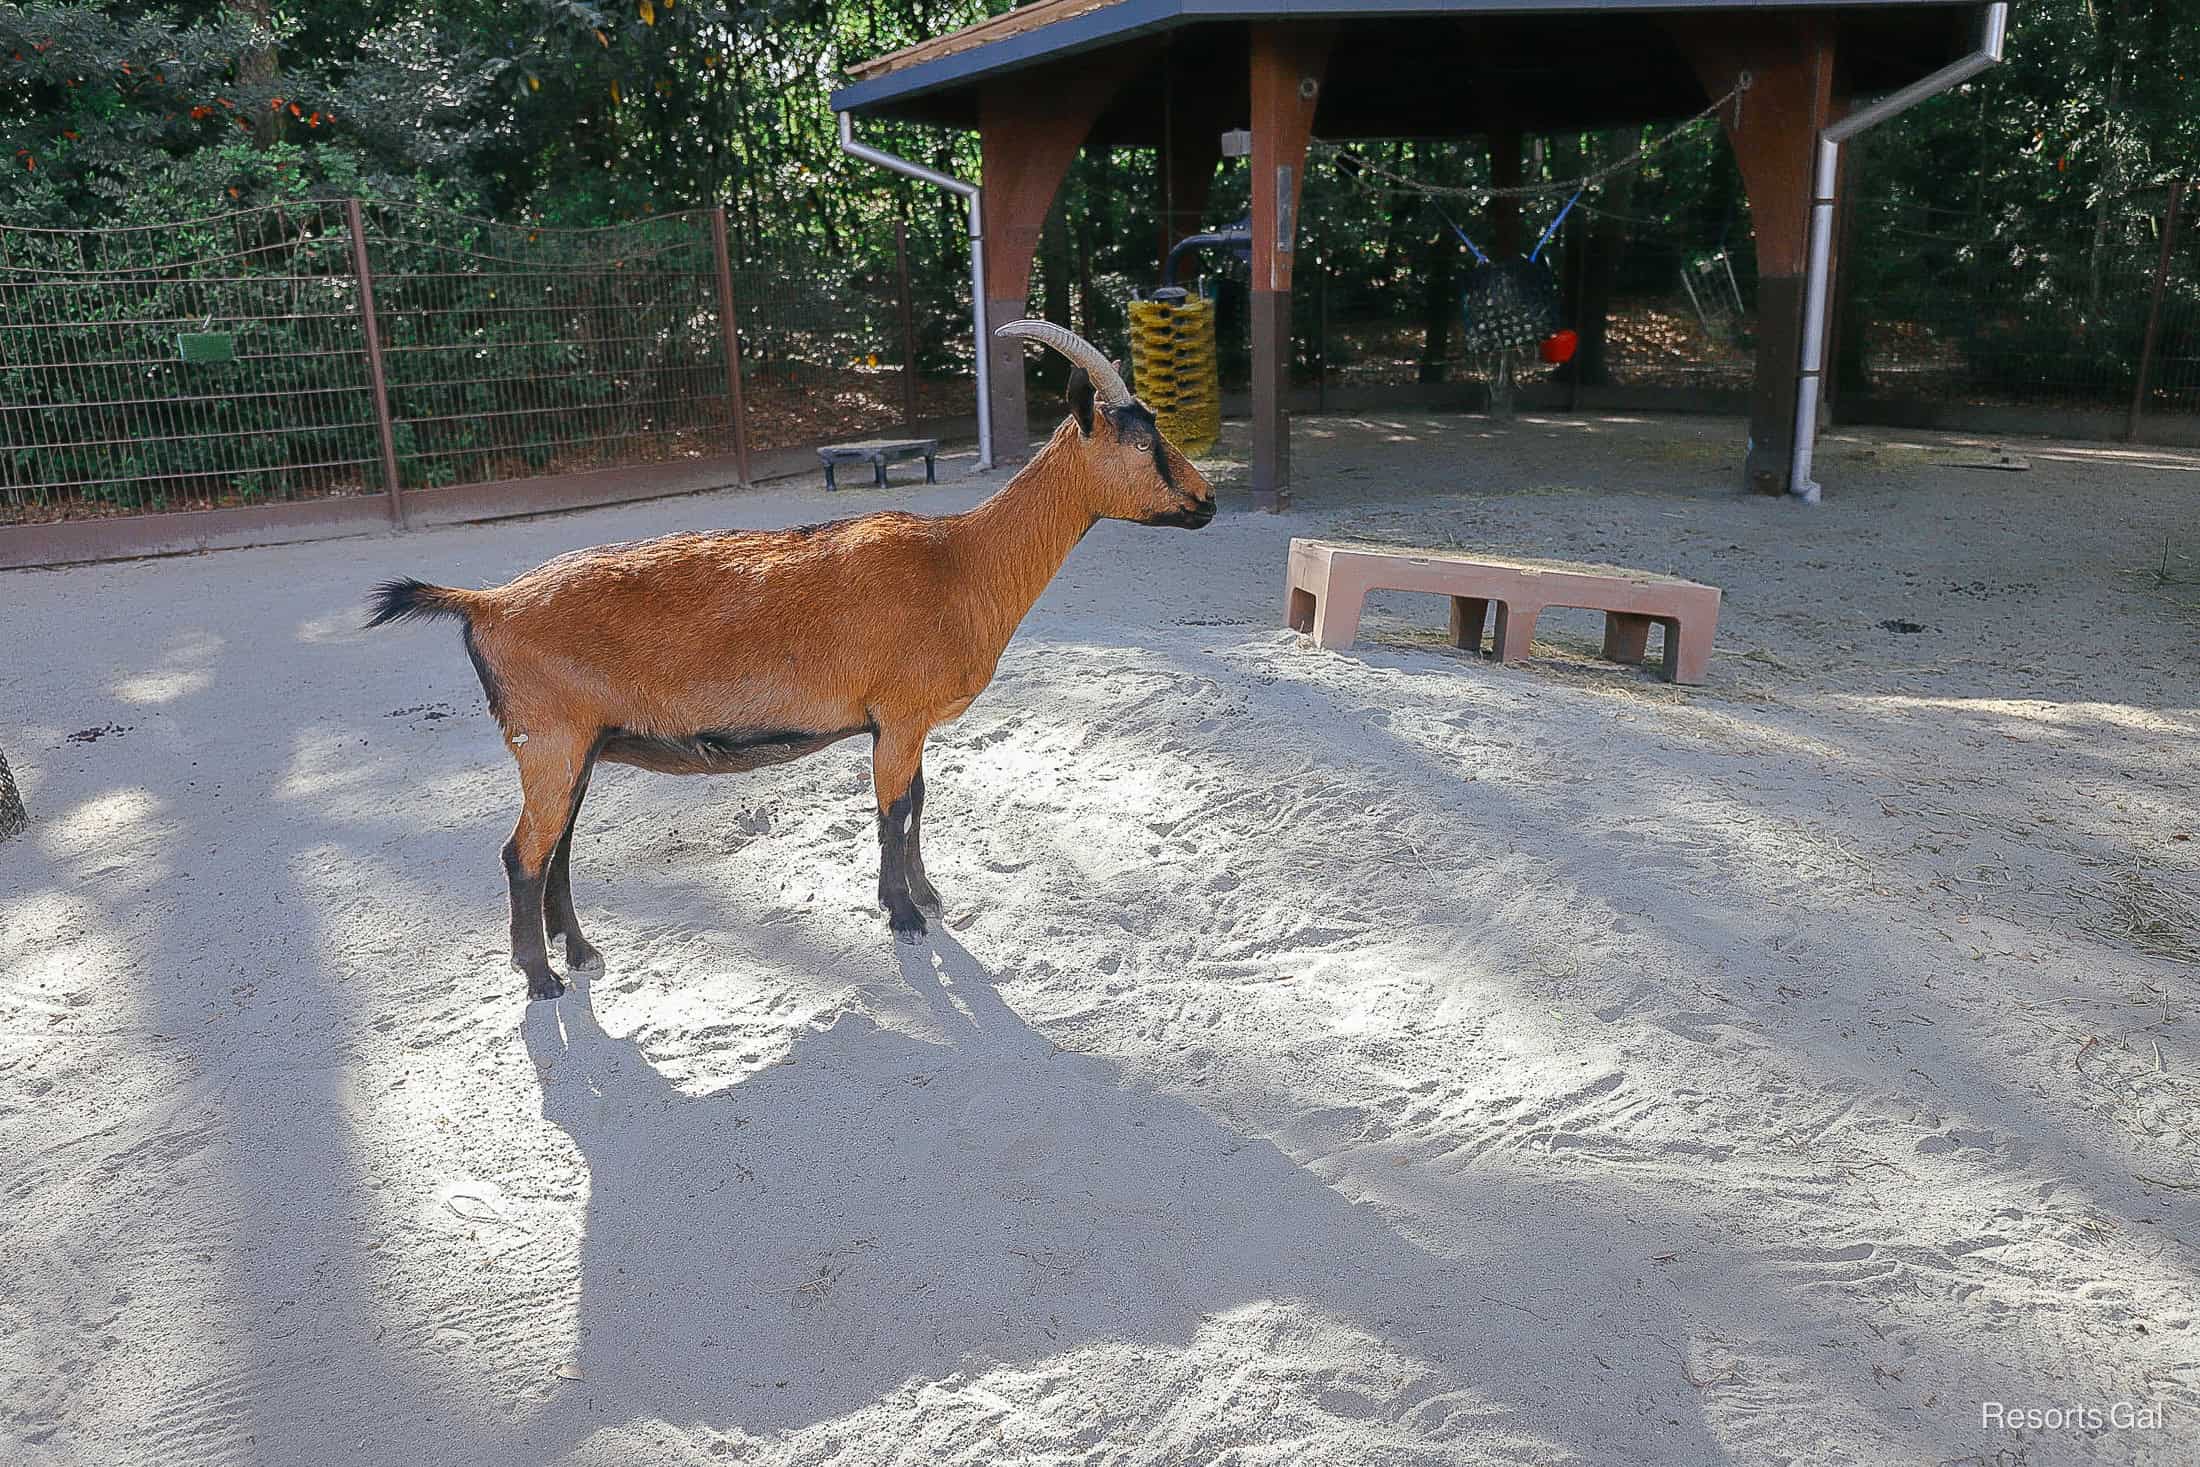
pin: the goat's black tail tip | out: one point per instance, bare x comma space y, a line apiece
407, 600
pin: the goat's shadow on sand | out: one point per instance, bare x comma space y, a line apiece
881, 1209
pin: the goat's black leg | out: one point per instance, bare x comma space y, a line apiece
920, 889
529, 952
550, 770
895, 759
559, 916
893, 868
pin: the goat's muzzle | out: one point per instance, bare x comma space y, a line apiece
1195, 515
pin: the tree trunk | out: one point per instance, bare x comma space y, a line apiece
2112, 34
1851, 323
1573, 287
1054, 286
1088, 301
1395, 231
1054, 264
257, 67
1439, 306
12, 816
1439, 303
1600, 275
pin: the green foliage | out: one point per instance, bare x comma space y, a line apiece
569, 112
2018, 218
507, 349
280, 416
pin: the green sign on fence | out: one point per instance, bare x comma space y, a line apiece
206, 346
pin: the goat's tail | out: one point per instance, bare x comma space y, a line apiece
411, 600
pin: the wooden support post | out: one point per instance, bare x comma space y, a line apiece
729, 331
377, 381
1191, 150
1287, 67
1790, 61
1189, 157
1029, 130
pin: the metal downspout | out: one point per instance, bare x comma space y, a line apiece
1993, 30
970, 193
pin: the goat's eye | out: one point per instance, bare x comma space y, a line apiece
1142, 444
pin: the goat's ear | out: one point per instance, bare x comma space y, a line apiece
1080, 399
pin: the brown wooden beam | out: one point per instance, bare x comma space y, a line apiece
1791, 62
1188, 161
1287, 67
1029, 131
1192, 122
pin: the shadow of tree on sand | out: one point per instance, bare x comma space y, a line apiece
881, 1210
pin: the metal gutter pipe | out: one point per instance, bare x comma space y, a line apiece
1993, 30
971, 194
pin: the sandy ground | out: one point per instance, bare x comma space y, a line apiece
1379, 1058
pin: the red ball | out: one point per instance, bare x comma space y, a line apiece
1558, 348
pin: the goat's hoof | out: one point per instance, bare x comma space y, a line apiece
906, 920
578, 954
543, 985
923, 895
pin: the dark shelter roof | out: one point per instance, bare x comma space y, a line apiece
1397, 68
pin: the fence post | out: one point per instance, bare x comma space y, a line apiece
908, 332
2154, 314
729, 329
371, 328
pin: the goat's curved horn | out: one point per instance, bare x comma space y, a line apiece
1106, 381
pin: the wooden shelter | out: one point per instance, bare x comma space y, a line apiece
1040, 82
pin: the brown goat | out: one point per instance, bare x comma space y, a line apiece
708, 653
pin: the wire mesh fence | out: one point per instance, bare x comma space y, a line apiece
1681, 309
2050, 304
235, 361
825, 352
514, 351
215, 362
2170, 372
1952, 305
1658, 298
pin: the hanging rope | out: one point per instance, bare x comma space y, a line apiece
1594, 212
1479, 257
1552, 228
1400, 183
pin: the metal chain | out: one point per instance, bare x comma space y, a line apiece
1594, 212
1400, 183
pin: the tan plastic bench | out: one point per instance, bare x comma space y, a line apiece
1329, 580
